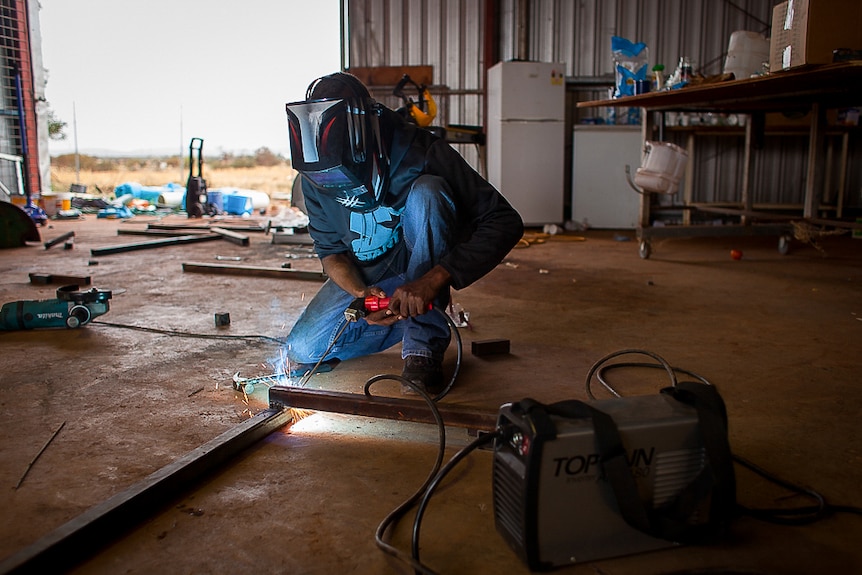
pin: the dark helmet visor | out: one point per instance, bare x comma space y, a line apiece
321, 139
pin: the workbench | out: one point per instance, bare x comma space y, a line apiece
812, 89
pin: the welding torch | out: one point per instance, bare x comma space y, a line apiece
360, 307
357, 310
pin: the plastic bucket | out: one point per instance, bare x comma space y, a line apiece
746, 53
215, 198
64, 201
259, 200
662, 168
238, 204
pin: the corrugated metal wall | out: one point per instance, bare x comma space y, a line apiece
450, 34
445, 34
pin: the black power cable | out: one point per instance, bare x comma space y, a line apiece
394, 516
187, 334
457, 458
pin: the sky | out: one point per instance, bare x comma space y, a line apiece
146, 76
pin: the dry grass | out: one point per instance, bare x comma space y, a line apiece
273, 180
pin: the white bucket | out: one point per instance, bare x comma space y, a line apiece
746, 53
662, 168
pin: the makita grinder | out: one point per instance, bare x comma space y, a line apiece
72, 308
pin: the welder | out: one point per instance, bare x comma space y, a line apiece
394, 211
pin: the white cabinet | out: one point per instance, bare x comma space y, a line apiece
601, 196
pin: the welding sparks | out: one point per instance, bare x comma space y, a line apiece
298, 415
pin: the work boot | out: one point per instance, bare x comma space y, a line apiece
425, 372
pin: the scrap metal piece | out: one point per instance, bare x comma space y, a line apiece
231, 236
286, 238
189, 239
81, 537
453, 415
490, 347
51, 243
45, 279
162, 233
284, 273
206, 226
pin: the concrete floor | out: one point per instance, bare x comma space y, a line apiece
778, 335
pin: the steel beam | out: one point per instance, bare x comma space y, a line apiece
381, 407
80, 538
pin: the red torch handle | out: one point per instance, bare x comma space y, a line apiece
374, 303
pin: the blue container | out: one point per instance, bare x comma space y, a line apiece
215, 198
238, 204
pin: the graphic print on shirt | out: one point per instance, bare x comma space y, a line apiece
350, 202
378, 231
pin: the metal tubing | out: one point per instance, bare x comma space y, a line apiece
155, 244
81, 537
285, 273
382, 407
231, 236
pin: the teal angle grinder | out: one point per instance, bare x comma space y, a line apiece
71, 309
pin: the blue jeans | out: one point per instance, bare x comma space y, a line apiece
428, 222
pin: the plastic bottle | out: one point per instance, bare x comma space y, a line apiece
686, 70
658, 77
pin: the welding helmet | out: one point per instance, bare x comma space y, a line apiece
336, 143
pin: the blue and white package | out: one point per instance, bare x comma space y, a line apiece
631, 65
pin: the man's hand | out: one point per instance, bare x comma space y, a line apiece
413, 298
383, 317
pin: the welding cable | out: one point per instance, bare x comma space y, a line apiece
802, 515
307, 375
459, 351
602, 361
187, 334
600, 373
457, 458
792, 515
394, 516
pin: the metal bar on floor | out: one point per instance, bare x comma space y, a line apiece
472, 418
256, 271
189, 239
81, 537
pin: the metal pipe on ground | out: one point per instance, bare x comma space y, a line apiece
81, 537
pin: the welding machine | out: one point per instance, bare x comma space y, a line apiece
576, 482
71, 308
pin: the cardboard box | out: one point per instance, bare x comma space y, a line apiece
807, 31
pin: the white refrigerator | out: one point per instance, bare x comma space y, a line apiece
526, 137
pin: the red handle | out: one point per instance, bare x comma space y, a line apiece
374, 303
